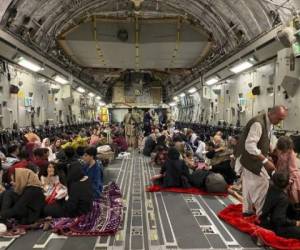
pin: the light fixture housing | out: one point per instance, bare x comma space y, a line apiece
172, 104
29, 64
91, 94
182, 95
192, 90
54, 86
213, 80
243, 65
80, 90
61, 80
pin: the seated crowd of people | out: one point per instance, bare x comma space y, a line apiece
187, 161
61, 177
55, 177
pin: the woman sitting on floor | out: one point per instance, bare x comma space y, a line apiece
95, 139
150, 143
80, 196
26, 201
52, 187
287, 162
189, 160
120, 141
275, 210
174, 172
46, 144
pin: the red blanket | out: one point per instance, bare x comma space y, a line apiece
196, 191
232, 214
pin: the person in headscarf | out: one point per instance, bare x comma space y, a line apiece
80, 196
46, 144
175, 172
26, 201
56, 146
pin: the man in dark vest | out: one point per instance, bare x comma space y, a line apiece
252, 155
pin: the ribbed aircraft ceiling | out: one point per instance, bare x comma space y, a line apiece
228, 25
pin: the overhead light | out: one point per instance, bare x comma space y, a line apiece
212, 80
60, 79
192, 90
241, 67
41, 79
98, 98
80, 90
182, 95
54, 86
172, 104
29, 64
175, 98
91, 94
102, 104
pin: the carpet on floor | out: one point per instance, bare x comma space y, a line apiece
193, 190
104, 219
232, 214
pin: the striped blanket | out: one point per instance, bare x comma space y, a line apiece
104, 219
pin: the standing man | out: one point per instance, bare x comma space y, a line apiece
252, 155
131, 121
137, 120
127, 125
147, 122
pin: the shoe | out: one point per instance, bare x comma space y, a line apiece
248, 214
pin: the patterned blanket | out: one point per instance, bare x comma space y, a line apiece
104, 219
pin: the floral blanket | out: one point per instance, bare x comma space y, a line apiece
104, 219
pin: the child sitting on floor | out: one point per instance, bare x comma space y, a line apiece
161, 156
274, 213
53, 189
189, 160
287, 162
174, 172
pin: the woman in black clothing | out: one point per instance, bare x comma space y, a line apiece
80, 198
161, 141
275, 210
25, 203
175, 172
150, 144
